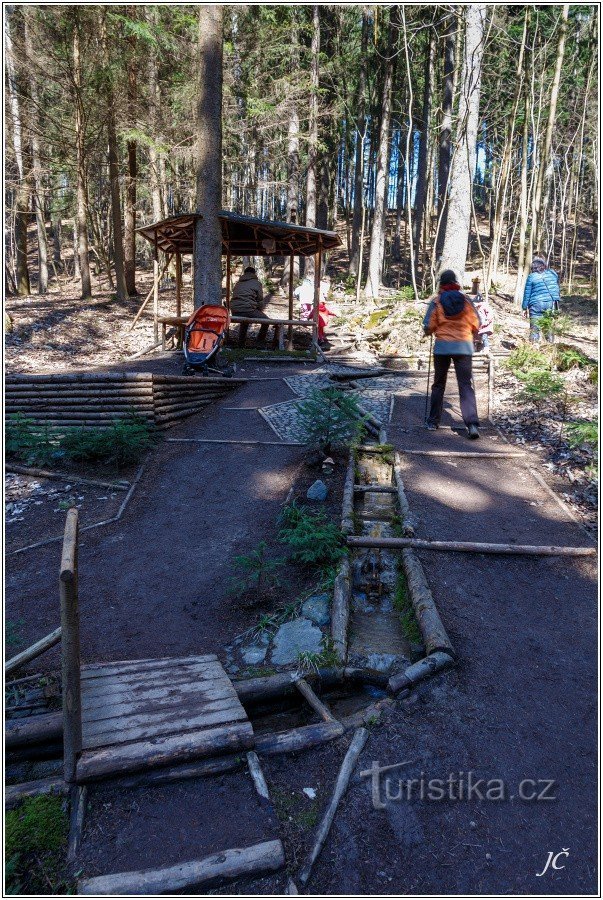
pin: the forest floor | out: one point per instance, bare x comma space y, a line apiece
521, 702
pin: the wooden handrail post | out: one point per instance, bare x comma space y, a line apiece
228, 279
291, 274
155, 297
70, 651
178, 283
317, 265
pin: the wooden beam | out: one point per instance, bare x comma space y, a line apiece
268, 856
32, 652
178, 283
291, 273
228, 279
155, 299
72, 717
317, 265
470, 547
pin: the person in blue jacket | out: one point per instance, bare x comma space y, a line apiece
540, 294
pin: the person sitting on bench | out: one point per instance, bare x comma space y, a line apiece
247, 300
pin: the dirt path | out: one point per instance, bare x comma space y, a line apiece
520, 705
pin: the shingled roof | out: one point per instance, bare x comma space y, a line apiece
242, 236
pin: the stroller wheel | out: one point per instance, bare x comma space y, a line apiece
188, 370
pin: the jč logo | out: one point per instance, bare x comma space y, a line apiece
552, 861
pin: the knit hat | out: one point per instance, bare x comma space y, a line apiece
447, 277
538, 264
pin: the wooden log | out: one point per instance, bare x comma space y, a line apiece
235, 441
340, 612
426, 613
164, 750
347, 518
191, 407
91, 391
79, 377
204, 380
256, 860
145, 350
203, 768
79, 797
419, 671
80, 415
297, 739
32, 652
408, 520
317, 705
14, 794
255, 770
72, 721
66, 476
470, 547
491, 374
42, 729
343, 779
490, 454
374, 489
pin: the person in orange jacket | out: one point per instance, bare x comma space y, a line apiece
453, 319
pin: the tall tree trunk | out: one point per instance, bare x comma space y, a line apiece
312, 173
421, 191
505, 167
80, 148
360, 139
375, 265
23, 189
456, 238
292, 151
208, 233
151, 13
118, 247
546, 164
132, 169
446, 128
37, 178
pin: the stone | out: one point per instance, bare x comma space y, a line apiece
253, 654
381, 662
318, 609
317, 491
295, 637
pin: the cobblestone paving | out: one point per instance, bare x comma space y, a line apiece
375, 395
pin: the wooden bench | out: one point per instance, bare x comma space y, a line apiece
179, 322
132, 715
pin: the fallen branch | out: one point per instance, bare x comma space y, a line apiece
347, 767
255, 770
470, 547
32, 652
268, 856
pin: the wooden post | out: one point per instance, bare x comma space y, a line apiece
228, 279
291, 274
317, 265
72, 718
178, 283
155, 297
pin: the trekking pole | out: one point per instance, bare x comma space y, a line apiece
428, 380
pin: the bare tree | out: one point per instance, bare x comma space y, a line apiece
456, 237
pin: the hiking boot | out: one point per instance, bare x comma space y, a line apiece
472, 432
431, 426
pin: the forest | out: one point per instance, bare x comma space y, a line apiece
413, 130
266, 602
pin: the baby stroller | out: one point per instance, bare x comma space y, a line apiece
204, 335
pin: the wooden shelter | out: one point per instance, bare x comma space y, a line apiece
241, 236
